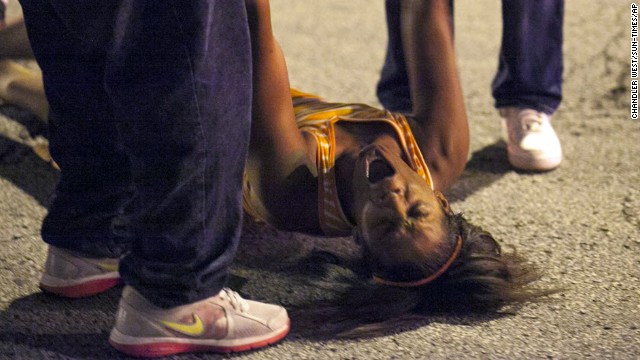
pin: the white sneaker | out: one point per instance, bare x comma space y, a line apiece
69, 274
532, 142
223, 323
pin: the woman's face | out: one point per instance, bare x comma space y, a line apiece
399, 217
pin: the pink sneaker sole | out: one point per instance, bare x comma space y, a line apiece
526, 162
82, 290
165, 348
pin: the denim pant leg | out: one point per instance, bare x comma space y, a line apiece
530, 63
94, 180
178, 80
393, 89
179, 75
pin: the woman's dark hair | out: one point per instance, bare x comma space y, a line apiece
483, 278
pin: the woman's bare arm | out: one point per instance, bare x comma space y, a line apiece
279, 168
13, 39
442, 129
275, 138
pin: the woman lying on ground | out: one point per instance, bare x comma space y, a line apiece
336, 169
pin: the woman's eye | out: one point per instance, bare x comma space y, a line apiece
418, 212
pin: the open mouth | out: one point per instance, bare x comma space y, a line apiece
378, 169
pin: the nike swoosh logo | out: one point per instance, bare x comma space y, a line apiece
195, 329
108, 267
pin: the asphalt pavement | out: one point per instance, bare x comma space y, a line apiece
580, 223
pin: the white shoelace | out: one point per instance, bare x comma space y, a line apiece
238, 303
532, 121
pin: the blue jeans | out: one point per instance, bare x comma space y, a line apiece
530, 61
150, 114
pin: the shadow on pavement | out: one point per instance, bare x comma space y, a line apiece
485, 167
45, 326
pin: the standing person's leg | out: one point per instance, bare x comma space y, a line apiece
182, 95
188, 148
178, 83
528, 85
95, 177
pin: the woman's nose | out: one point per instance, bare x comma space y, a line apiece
395, 200
395, 184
